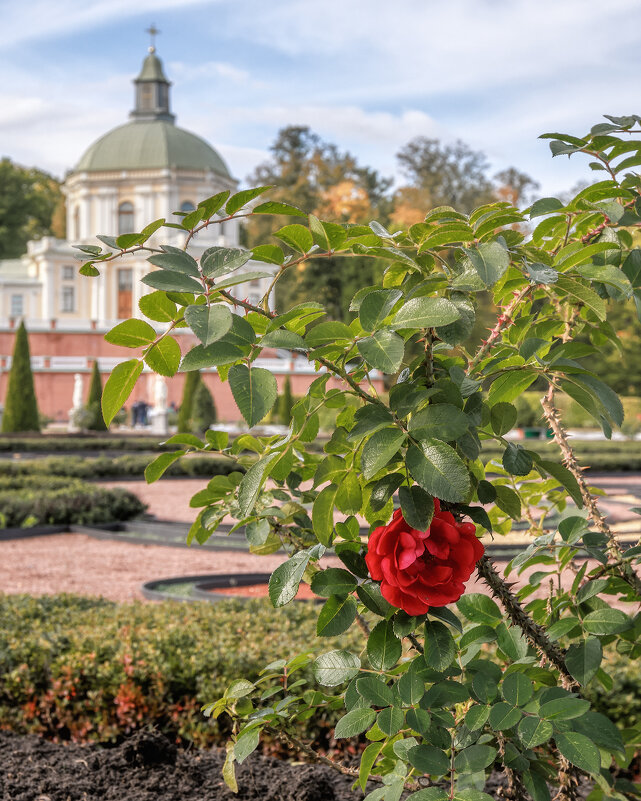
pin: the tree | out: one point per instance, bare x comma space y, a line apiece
192, 381
20, 406
31, 206
320, 179
203, 414
286, 402
94, 418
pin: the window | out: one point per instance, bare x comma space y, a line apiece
68, 273
17, 305
125, 293
146, 97
68, 299
125, 218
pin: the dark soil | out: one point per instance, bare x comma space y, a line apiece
147, 767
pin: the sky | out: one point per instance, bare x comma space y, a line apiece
367, 75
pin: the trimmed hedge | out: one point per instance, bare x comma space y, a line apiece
599, 455
71, 443
128, 466
88, 669
40, 500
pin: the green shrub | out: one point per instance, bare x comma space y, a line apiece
192, 382
94, 419
20, 406
88, 669
128, 466
54, 443
41, 499
285, 403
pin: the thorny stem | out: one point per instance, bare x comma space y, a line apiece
534, 633
363, 625
504, 321
514, 790
415, 643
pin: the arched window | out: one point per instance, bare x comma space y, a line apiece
125, 218
187, 206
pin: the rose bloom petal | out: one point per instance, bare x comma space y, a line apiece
419, 569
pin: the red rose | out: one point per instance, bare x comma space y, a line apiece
419, 569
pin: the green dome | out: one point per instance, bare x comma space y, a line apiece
148, 145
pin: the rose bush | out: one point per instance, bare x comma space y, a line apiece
446, 691
420, 569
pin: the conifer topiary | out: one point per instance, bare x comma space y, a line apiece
286, 402
95, 420
20, 406
192, 381
203, 413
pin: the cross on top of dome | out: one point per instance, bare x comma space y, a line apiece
153, 32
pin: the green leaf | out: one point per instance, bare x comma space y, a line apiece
242, 278
508, 501
503, 716
417, 507
511, 641
354, 723
439, 470
429, 794
229, 773
171, 281
369, 594
336, 616
118, 387
274, 207
479, 608
246, 743
251, 483
600, 730
212, 204
297, 236
429, 759
584, 659
238, 200
131, 334
474, 759
328, 333
440, 648
565, 478
516, 460
508, 386
284, 581
439, 421
281, 338
517, 689
490, 260
379, 449
580, 751
411, 688
502, 418
606, 621
333, 581
384, 350
335, 667
390, 721
217, 261
323, 514
383, 646
180, 262
155, 469
576, 292
542, 274
209, 323
219, 353
374, 690
164, 356
545, 205
476, 717
425, 313
157, 306
376, 306
349, 497
271, 254
255, 391
368, 758
534, 731
564, 708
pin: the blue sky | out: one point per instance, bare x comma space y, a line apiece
365, 74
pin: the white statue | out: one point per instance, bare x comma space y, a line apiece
160, 394
77, 401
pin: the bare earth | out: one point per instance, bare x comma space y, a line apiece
80, 564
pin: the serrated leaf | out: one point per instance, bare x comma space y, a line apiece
155, 469
118, 387
438, 469
335, 667
379, 449
354, 723
374, 690
490, 260
429, 759
252, 482
323, 514
157, 306
284, 581
439, 421
209, 323
384, 350
215, 355
417, 507
503, 716
217, 261
580, 751
275, 207
376, 306
578, 293
606, 621
333, 581
238, 200
179, 261
281, 338
479, 608
255, 391
164, 356
425, 313
336, 616
502, 418
131, 334
516, 460
297, 236
171, 281
584, 659
383, 646
440, 648
517, 689
533, 731
508, 386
